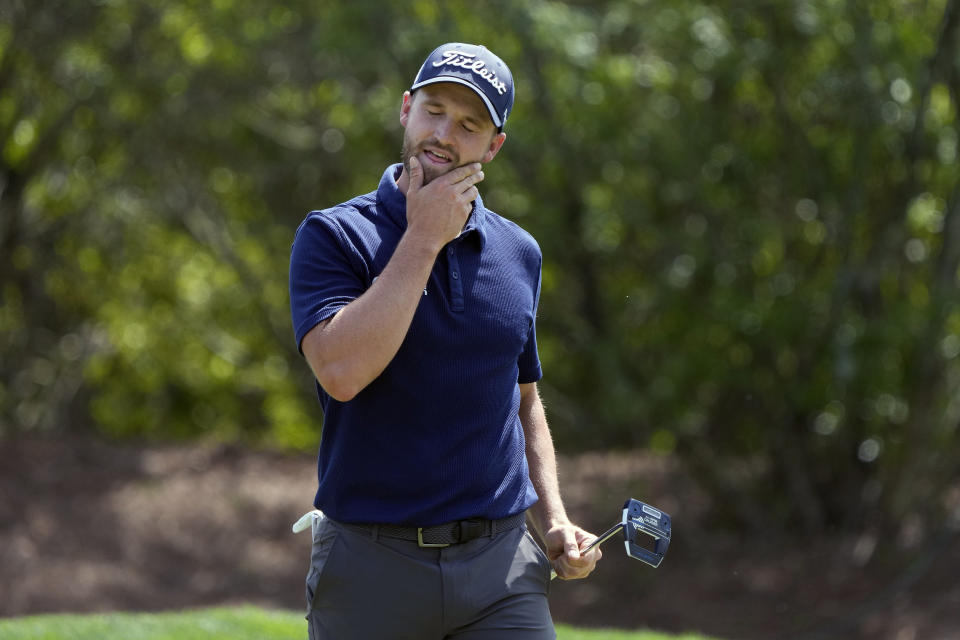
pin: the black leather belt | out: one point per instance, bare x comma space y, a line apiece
444, 535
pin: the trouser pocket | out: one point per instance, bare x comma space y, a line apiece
324, 540
537, 553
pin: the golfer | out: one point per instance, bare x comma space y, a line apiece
415, 307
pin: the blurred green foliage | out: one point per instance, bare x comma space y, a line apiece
223, 623
748, 210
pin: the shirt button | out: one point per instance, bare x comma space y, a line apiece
455, 275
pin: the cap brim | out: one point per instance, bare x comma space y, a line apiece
455, 79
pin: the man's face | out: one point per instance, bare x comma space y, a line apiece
446, 126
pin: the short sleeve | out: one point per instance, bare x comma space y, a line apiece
529, 361
326, 273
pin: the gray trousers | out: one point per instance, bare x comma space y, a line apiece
367, 587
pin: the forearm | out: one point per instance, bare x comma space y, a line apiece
347, 352
564, 542
548, 512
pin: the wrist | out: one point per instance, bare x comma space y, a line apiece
548, 519
558, 523
421, 244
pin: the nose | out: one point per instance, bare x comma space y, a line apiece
443, 132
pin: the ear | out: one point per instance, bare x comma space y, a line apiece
494, 147
405, 108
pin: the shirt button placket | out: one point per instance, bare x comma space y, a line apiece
456, 285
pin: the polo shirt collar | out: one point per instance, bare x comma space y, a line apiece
395, 205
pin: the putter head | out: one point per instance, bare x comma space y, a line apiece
642, 518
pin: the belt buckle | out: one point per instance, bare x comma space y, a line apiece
427, 545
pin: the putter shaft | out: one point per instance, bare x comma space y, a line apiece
606, 535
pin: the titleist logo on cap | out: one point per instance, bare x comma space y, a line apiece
468, 61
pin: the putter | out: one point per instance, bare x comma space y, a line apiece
637, 518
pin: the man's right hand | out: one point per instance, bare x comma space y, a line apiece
352, 348
438, 211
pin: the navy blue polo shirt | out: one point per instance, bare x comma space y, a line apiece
436, 436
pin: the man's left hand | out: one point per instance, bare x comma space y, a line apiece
565, 545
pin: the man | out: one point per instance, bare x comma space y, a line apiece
415, 307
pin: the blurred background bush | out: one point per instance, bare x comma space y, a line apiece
748, 211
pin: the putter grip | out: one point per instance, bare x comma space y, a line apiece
609, 533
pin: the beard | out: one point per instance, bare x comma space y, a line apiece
429, 172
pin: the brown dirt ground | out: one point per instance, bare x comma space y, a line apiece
87, 525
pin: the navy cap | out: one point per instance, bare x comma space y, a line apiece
473, 66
